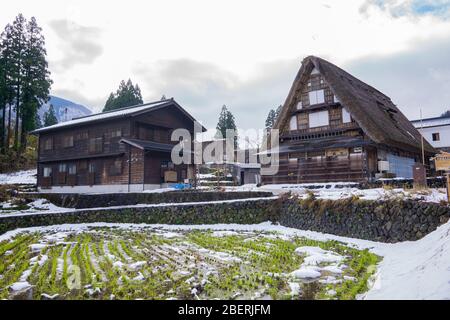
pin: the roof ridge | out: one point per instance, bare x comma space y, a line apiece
124, 108
352, 77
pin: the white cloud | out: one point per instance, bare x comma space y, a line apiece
209, 53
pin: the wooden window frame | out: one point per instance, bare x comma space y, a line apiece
94, 144
48, 144
316, 94
44, 172
68, 141
116, 168
72, 169
436, 136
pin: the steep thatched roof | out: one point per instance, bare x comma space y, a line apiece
374, 112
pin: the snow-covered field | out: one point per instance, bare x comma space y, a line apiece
408, 270
117, 261
19, 177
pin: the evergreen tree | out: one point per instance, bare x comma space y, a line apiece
36, 87
271, 118
226, 122
17, 62
50, 117
6, 85
127, 95
446, 114
25, 82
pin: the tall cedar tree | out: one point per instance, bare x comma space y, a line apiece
6, 88
26, 81
18, 52
36, 87
50, 117
126, 96
226, 122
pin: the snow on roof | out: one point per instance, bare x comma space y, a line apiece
106, 115
431, 122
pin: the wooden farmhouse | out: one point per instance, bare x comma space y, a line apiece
123, 150
334, 127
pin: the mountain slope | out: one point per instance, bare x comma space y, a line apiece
60, 105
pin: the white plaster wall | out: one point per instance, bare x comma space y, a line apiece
444, 132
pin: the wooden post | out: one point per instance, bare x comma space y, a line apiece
447, 174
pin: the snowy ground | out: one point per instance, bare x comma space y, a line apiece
408, 270
19, 177
333, 193
320, 190
35, 206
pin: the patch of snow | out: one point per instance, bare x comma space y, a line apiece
295, 288
137, 265
307, 272
19, 286
220, 234
315, 256
37, 247
19, 177
160, 190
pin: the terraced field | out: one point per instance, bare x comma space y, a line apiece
149, 263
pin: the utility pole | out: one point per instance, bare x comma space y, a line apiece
421, 138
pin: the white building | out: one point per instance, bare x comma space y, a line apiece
436, 131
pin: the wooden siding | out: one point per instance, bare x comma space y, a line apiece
106, 161
81, 138
320, 169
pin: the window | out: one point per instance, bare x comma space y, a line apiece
81, 135
68, 141
299, 105
336, 99
91, 168
116, 168
116, 133
316, 97
96, 145
72, 168
82, 165
436, 136
47, 172
293, 123
318, 119
48, 144
346, 116
62, 167
315, 71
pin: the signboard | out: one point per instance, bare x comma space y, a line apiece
442, 161
337, 152
170, 176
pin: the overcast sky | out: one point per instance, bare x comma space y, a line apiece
244, 54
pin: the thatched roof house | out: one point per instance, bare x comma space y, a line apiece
334, 127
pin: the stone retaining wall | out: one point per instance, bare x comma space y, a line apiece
83, 201
242, 212
385, 221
